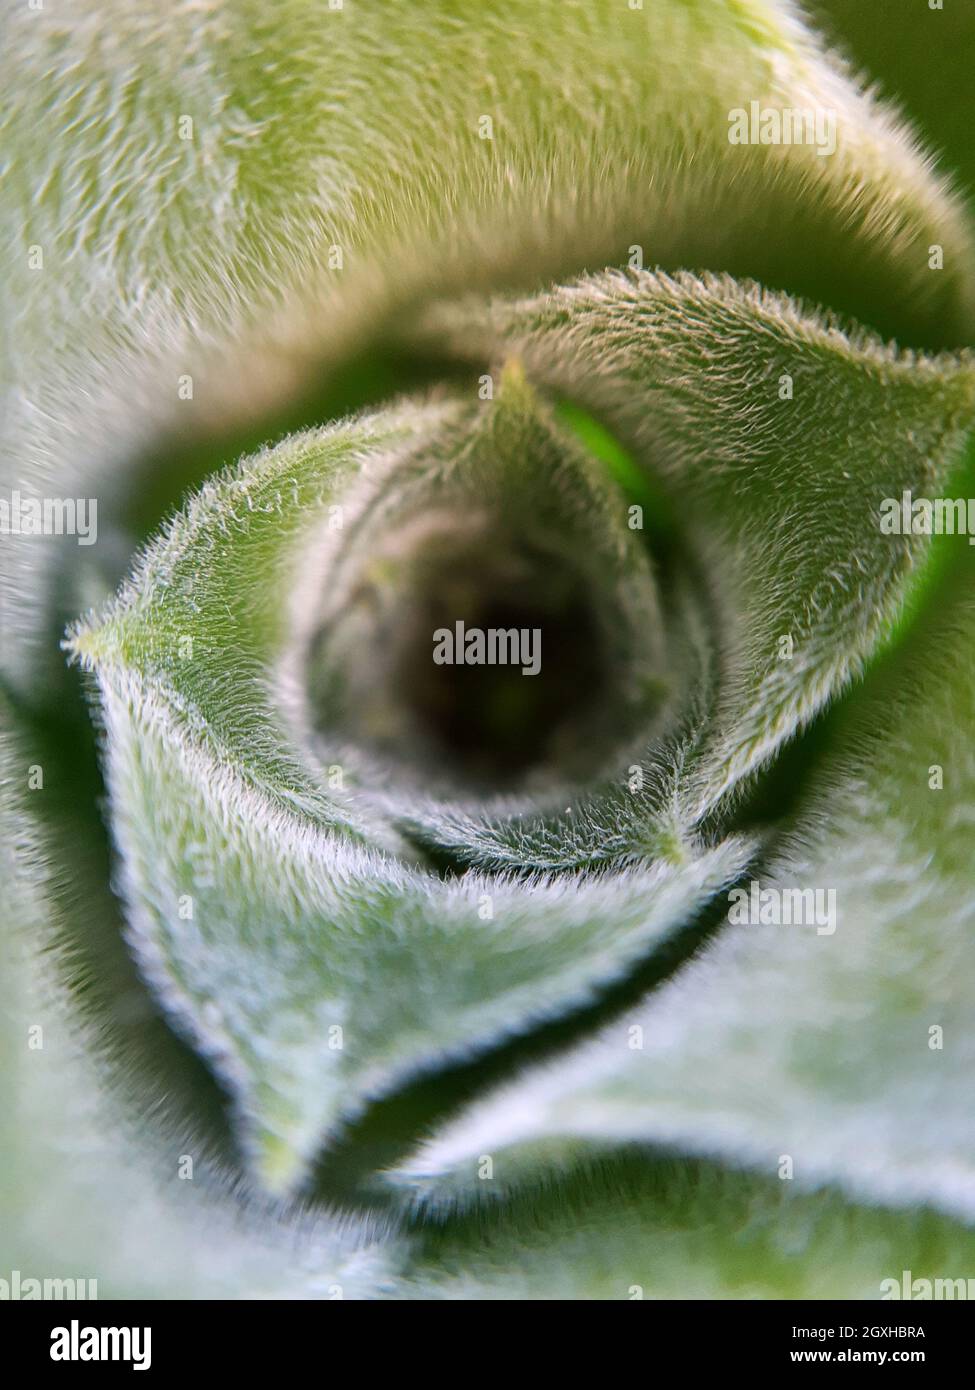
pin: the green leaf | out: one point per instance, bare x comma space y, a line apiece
287, 928
917, 57
641, 1227
718, 389
140, 1204
210, 256
844, 1044
209, 251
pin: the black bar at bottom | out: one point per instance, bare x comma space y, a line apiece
171, 1337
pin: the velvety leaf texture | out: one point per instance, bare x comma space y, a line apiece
487, 701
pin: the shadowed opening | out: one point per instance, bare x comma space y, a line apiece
502, 668
474, 656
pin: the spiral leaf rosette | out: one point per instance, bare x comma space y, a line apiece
491, 806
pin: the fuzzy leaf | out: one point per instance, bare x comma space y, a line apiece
311, 966
848, 1051
207, 253
780, 490
332, 178
642, 1227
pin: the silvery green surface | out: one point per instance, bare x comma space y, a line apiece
553, 1069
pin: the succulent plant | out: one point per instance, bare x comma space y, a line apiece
620, 347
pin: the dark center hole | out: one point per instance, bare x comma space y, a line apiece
495, 721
